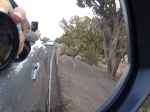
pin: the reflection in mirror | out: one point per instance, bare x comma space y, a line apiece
91, 50
91, 55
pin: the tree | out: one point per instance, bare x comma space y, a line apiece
45, 39
85, 32
111, 21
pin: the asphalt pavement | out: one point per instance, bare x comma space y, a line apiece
54, 94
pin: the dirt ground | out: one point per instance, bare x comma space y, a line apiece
85, 87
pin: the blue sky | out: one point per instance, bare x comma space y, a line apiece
49, 12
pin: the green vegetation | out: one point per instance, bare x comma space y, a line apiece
85, 32
103, 34
45, 39
91, 56
111, 23
144, 108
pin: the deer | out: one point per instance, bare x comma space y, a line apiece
68, 51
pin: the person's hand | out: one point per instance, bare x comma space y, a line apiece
17, 15
38, 33
21, 45
4, 6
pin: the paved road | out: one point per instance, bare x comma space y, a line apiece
54, 94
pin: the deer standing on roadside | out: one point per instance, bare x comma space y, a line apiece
69, 51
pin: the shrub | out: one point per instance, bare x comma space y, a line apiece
91, 55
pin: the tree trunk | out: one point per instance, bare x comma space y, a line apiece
106, 45
110, 45
115, 58
116, 65
106, 53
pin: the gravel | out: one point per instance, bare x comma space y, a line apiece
83, 88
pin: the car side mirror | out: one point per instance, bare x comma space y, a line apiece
9, 40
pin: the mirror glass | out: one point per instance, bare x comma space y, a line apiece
91, 55
91, 49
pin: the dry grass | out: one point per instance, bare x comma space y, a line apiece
122, 66
102, 64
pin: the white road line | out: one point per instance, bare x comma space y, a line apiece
50, 78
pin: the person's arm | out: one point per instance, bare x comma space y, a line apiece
31, 36
24, 54
17, 15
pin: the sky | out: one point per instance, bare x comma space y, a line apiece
49, 12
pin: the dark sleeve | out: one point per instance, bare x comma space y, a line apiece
25, 51
31, 36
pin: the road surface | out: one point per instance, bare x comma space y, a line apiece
54, 92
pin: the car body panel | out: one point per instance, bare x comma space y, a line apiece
18, 91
